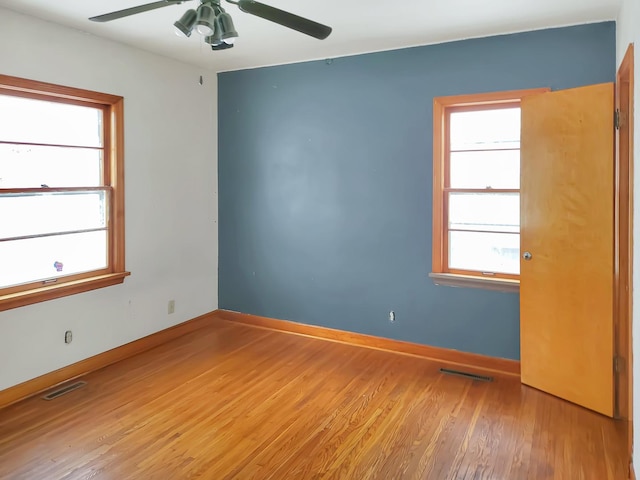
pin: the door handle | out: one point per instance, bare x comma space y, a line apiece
527, 255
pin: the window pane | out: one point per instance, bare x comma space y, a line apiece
495, 212
485, 252
30, 166
495, 169
42, 258
485, 129
35, 214
37, 121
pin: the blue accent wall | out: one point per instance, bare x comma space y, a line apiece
325, 172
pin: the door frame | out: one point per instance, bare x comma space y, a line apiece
623, 248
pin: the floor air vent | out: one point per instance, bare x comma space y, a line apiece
471, 376
58, 392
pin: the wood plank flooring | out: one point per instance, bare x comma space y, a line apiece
237, 402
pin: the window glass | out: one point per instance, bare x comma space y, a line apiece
485, 252
485, 129
47, 213
494, 212
485, 169
32, 166
28, 120
42, 258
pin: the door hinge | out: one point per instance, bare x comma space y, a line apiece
616, 119
618, 363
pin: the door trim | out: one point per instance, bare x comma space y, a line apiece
623, 244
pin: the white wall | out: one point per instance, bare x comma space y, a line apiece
628, 31
171, 197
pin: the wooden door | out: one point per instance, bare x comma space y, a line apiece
566, 287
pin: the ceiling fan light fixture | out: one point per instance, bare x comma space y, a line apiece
221, 46
228, 31
184, 26
206, 20
211, 40
216, 38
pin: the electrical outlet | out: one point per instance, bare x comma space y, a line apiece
392, 316
68, 337
171, 308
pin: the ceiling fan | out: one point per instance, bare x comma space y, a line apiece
216, 26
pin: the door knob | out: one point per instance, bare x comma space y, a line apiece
527, 255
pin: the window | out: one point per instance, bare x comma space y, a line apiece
61, 191
476, 190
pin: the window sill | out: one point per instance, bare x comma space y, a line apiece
454, 280
49, 292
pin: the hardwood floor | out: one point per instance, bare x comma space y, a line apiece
237, 402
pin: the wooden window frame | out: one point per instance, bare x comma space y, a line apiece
442, 109
113, 184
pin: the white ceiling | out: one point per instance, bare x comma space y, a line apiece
358, 25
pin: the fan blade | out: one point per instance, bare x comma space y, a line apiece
107, 17
286, 19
